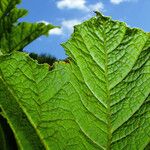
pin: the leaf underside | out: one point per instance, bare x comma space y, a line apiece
99, 100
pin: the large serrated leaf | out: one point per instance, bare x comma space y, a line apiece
99, 100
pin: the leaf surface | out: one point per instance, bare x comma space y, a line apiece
99, 100
15, 36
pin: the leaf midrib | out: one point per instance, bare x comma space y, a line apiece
109, 126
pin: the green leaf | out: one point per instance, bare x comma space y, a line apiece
7, 22
6, 6
21, 35
24, 133
15, 36
99, 100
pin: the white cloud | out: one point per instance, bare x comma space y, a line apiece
68, 24
56, 31
66, 27
79, 4
71, 4
96, 7
116, 2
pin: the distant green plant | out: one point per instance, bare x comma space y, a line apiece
97, 99
43, 58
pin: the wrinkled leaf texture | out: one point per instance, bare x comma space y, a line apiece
14, 36
99, 100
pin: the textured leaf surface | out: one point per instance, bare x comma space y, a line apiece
15, 36
99, 100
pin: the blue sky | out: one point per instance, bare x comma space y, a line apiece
66, 13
